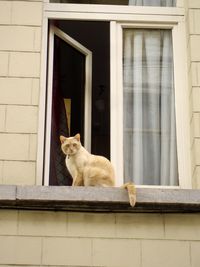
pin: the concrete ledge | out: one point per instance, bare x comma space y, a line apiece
97, 199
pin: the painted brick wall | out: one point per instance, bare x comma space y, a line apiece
33, 238
20, 46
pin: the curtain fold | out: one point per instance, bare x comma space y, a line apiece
59, 174
150, 155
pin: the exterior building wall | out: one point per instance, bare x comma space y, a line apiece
44, 238
193, 35
38, 238
20, 48
20, 55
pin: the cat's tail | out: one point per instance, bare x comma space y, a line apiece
131, 192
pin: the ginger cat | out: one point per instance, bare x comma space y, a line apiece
90, 170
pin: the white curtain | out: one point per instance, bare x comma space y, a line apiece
150, 155
152, 2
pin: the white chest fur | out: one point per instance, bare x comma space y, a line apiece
76, 163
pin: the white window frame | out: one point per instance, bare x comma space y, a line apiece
127, 16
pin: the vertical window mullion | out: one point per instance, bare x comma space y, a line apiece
116, 100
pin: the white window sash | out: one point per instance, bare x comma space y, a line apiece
181, 103
87, 99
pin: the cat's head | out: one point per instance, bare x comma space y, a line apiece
70, 145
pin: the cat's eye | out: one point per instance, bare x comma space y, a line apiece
74, 145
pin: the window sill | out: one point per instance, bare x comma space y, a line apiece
95, 199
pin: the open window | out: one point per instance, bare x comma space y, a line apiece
78, 91
135, 111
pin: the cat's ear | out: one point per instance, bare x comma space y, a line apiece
77, 137
62, 139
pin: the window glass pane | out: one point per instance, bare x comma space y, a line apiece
150, 155
120, 2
